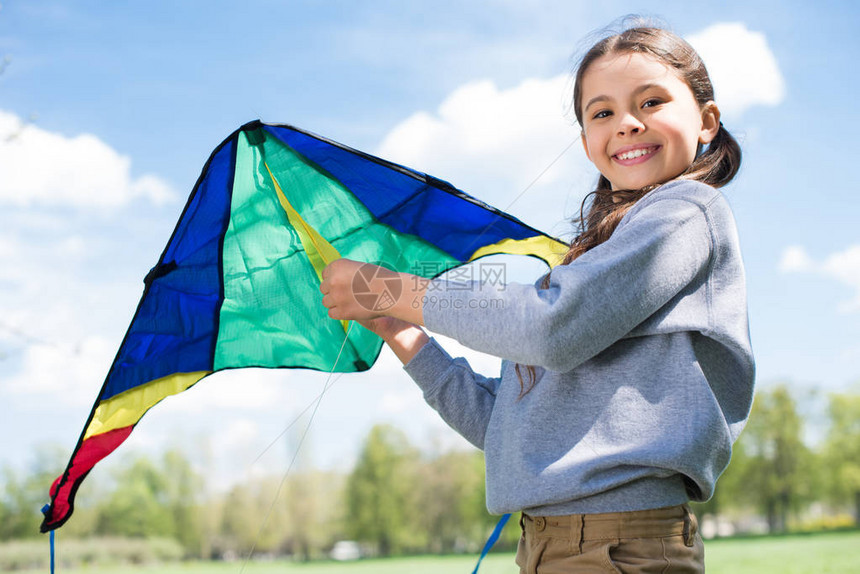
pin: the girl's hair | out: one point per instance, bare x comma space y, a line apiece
716, 165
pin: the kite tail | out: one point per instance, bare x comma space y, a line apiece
63, 490
491, 541
45, 510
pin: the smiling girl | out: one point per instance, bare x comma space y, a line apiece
627, 370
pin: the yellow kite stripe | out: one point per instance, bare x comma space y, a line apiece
319, 251
126, 408
550, 250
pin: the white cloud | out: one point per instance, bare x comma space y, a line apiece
513, 133
795, 258
742, 67
401, 402
70, 375
8, 247
845, 268
494, 142
39, 167
238, 434
851, 353
842, 266
247, 389
61, 316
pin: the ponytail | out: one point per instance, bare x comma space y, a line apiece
719, 164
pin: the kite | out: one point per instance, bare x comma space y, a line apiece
238, 282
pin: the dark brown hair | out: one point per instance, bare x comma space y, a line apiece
716, 165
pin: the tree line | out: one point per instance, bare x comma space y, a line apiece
397, 500
778, 473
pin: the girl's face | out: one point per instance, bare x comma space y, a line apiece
641, 124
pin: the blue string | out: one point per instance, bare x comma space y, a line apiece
45, 510
497, 531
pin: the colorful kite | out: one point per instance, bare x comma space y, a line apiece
238, 283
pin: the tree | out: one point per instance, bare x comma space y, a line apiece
21, 496
777, 474
842, 451
139, 506
453, 501
314, 512
380, 497
183, 498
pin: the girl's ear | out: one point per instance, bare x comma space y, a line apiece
585, 145
710, 122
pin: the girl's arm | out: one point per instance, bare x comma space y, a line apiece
462, 397
662, 248
663, 252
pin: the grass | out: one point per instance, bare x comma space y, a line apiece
820, 553
493, 564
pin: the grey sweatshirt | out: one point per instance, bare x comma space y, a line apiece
643, 360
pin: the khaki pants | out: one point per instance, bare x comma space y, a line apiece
664, 540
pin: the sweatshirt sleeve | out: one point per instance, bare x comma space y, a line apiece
461, 396
661, 247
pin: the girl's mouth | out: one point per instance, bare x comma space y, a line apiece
635, 156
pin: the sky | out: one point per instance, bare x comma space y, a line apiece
108, 112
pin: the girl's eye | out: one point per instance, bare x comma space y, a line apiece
651, 103
602, 114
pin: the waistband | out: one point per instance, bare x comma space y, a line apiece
646, 492
657, 523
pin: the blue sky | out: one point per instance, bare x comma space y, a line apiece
108, 112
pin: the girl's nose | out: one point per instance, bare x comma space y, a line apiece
629, 125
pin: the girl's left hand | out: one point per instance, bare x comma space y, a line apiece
351, 289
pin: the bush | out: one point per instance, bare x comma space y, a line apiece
72, 553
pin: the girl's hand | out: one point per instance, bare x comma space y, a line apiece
381, 300
337, 287
385, 327
353, 290
404, 338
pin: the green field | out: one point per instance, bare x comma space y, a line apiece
792, 554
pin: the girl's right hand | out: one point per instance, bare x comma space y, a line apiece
385, 327
404, 338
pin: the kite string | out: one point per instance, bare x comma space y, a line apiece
541, 174
521, 193
326, 386
298, 417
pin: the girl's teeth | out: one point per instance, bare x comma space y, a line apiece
635, 153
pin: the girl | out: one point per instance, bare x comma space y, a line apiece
627, 370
